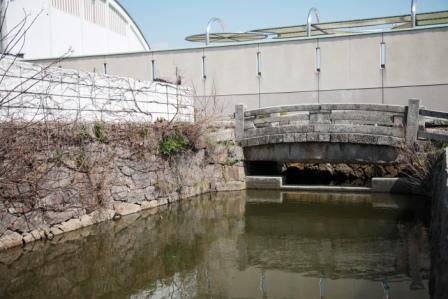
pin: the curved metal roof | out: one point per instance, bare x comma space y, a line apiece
133, 22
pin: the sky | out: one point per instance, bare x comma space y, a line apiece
166, 23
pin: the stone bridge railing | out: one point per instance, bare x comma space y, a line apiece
372, 124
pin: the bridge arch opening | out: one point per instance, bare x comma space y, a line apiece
324, 174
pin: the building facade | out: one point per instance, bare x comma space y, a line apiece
351, 70
54, 27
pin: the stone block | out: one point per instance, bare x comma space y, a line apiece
126, 170
322, 128
70, 225
340, 138
142, 180
102, 215
299, 137
55, 230
149, 204
87, 220
28, 238
217, 153
38, 234
239, 122
363, 139
6, 220
10, 239
123, 208
236, 153
273, 139
221, 135
119, 192
234, 173
317, 137
163, 201
55, 217
380, 117
391, 141
150, 193
322, 117
412, 121
28, 222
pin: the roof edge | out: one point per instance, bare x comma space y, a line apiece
134, 22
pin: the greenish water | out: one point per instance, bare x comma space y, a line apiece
236, 245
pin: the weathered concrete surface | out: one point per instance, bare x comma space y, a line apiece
412, 121
394, 185
322, 152
438, 284
326, 132
379, 185
263, 182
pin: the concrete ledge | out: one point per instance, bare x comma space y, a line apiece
325, 188
264, 182
393, 185
276, 183
379, 185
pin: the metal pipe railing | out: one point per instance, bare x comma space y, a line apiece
209, 27
312, 11
413, 13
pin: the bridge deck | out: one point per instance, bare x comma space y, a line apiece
339, 123
333, 132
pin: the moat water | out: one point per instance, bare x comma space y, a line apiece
236, 245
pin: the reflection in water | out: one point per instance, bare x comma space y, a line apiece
236, 245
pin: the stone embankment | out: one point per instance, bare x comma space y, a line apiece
70, 198
439, 231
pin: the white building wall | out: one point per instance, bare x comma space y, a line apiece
416, 67
31, 92
101, 28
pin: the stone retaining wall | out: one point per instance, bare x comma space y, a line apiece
68, 200
439, 231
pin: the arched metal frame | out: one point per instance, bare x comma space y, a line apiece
414, 13
312, 11
209, 27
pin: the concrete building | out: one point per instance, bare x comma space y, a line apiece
379, 66
88, 27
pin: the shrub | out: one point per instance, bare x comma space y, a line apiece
83, 134
100, 132
173, 144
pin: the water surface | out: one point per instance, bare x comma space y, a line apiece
236, 245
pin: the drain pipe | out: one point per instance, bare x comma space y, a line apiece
209, 27
414, 13
312, 11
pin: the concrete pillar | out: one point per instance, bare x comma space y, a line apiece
412, 121
239, 122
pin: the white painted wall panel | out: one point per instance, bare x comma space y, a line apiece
63, 24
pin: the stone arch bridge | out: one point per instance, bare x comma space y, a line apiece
349, 133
